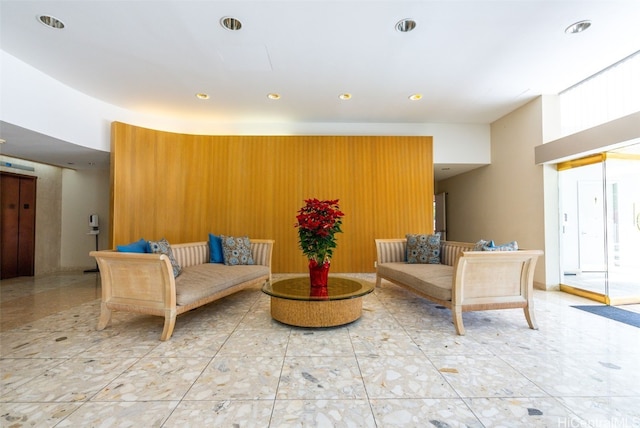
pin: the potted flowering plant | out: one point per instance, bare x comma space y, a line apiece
318, 222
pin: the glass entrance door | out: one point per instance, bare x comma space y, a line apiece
582, 234
622, 175
600, 226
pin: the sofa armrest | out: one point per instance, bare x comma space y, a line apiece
142, 280
391, 250
262, 251
486, 278
450, 250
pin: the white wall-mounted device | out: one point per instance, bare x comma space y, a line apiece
94, 227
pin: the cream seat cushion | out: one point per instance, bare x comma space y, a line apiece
195, 282
434, 281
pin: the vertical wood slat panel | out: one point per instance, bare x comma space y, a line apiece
133, 165
184, 186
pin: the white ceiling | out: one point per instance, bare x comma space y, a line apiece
473, 61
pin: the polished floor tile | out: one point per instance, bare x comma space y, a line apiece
230, 364
248, 377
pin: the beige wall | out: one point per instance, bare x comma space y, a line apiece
84, 193
64, 200
503, 201
48, 212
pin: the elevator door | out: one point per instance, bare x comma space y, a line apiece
18, 221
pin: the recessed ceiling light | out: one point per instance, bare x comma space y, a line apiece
406, 25
578, 27
231, 23
273, 96
51, 22
202, 96
415, 97
345, 96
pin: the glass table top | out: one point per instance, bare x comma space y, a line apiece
298, 288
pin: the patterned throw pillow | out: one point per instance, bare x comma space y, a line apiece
481, 244
511, 246
162, 247
423, 248
236, 250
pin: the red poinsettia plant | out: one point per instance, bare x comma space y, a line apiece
318, 222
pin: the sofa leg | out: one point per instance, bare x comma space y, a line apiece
457, 321
378, 281
169, 324
105, 316
531, 318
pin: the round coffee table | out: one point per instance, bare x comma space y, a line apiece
295, 302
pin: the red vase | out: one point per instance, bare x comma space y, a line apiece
319, 293
318, 273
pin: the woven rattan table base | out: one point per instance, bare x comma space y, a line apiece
317, 313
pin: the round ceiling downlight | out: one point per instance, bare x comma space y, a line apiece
415, 97
273, 96
202, 96
230, 23
345, 96
578, 27
51, 22
406, 25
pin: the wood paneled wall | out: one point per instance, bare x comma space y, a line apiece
183, 186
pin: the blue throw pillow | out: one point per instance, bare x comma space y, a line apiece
511, 246
140, 246
215, 249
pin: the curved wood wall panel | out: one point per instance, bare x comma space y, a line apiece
182, 187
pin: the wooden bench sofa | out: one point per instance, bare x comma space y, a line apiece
466, 280
144, 283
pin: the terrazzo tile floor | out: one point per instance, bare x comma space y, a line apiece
230, 365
